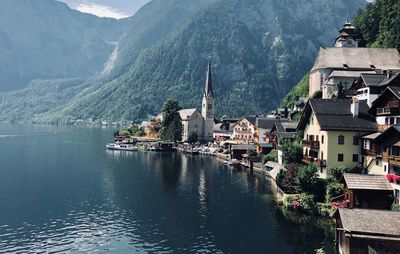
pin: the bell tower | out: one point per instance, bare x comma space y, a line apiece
207, 109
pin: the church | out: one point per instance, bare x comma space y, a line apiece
346, 61
202, 122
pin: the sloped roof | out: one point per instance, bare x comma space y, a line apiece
335, 114
372, 79
265, 123
209, 87
243, 147
371, 222
389, 81
357, 58
186, 113
390, 89
366, 182
372, 136
347, 74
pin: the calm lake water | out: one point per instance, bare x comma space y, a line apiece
61, 191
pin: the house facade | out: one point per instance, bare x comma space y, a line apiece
332, 130
244, 130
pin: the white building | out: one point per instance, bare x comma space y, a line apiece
346, 61
200, 123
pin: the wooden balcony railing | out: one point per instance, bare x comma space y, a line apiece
319, 162
394, 160
383, 111
310, 143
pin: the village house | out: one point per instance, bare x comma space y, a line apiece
382, 155
244, 130
282, 131
344, 63
367, 231
263, 126
386, 108
224, 129
332, 130
368, 191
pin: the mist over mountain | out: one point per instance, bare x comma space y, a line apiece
258, 48
45, 39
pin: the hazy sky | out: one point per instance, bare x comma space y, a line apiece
107, 8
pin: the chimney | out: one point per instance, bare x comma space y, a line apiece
355, 107
389, 74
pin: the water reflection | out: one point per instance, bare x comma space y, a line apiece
91, 200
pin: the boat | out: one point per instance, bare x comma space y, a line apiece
121, 147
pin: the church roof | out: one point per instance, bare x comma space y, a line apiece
186, 113
357, 58
209, 87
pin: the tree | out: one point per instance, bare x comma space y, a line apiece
340, 91
306, 179
171, 126
317, 94
193, 137
292, 152
272, 156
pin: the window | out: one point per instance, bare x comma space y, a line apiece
366, 144
322, 155
391, 120
377, 162
355, 157
395, 151
341, 140
322, 139
316, 138
355, 140
384, 168
340, 157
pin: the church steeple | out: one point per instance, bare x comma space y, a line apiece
209, 87
207, 109
348, 36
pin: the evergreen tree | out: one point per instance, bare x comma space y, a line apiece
171, 126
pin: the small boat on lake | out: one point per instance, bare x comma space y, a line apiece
121, 147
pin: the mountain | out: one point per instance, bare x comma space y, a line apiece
47, 40
258, 49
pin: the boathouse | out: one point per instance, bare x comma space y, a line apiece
367, 231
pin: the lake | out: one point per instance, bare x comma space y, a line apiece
61, 191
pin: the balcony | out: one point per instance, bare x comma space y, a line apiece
371, 153
387, 111
310, 144
318, 162
394, 160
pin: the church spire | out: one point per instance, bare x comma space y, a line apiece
209, 87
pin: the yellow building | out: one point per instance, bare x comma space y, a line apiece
332, 130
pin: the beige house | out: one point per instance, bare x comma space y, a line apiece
332, 130
244, 130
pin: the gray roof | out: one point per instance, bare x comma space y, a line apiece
347, 74
372, 136
265, 123
186, 113
358, 58
366, 182
209, 87
243, 147
388, 81
372, 79
371, 222
335, 114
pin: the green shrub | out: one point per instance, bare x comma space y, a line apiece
306, 178
335, 174
272, 156
334, 190
396, 207
193, 137
308, 204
